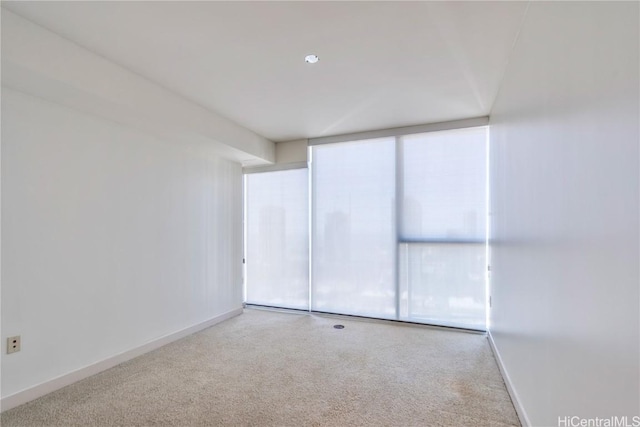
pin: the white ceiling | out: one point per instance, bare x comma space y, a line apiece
382, 64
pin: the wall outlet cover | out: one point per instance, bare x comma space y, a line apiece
13, 344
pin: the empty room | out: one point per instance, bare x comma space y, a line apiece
320, 213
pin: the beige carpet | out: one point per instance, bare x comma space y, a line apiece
280, 369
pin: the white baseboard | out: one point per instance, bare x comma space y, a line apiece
524, 419
47, 387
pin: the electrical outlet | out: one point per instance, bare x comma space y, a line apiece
13, 344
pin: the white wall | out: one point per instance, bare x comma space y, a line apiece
564, 212
111, 238
291, 151
42, 63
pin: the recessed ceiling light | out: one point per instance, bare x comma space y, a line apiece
311, 59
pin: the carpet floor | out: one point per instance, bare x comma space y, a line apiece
267, 368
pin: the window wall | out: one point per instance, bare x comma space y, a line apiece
397, 231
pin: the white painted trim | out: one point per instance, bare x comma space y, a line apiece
517, 404
47, 387
275, 168
406, 130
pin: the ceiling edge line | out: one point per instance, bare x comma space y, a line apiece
404, 130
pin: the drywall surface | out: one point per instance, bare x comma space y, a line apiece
291, 151
42, 63
564, 213
111, 238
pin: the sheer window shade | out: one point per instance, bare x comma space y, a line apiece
442, 256
277, 270
354, 233
444, 188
